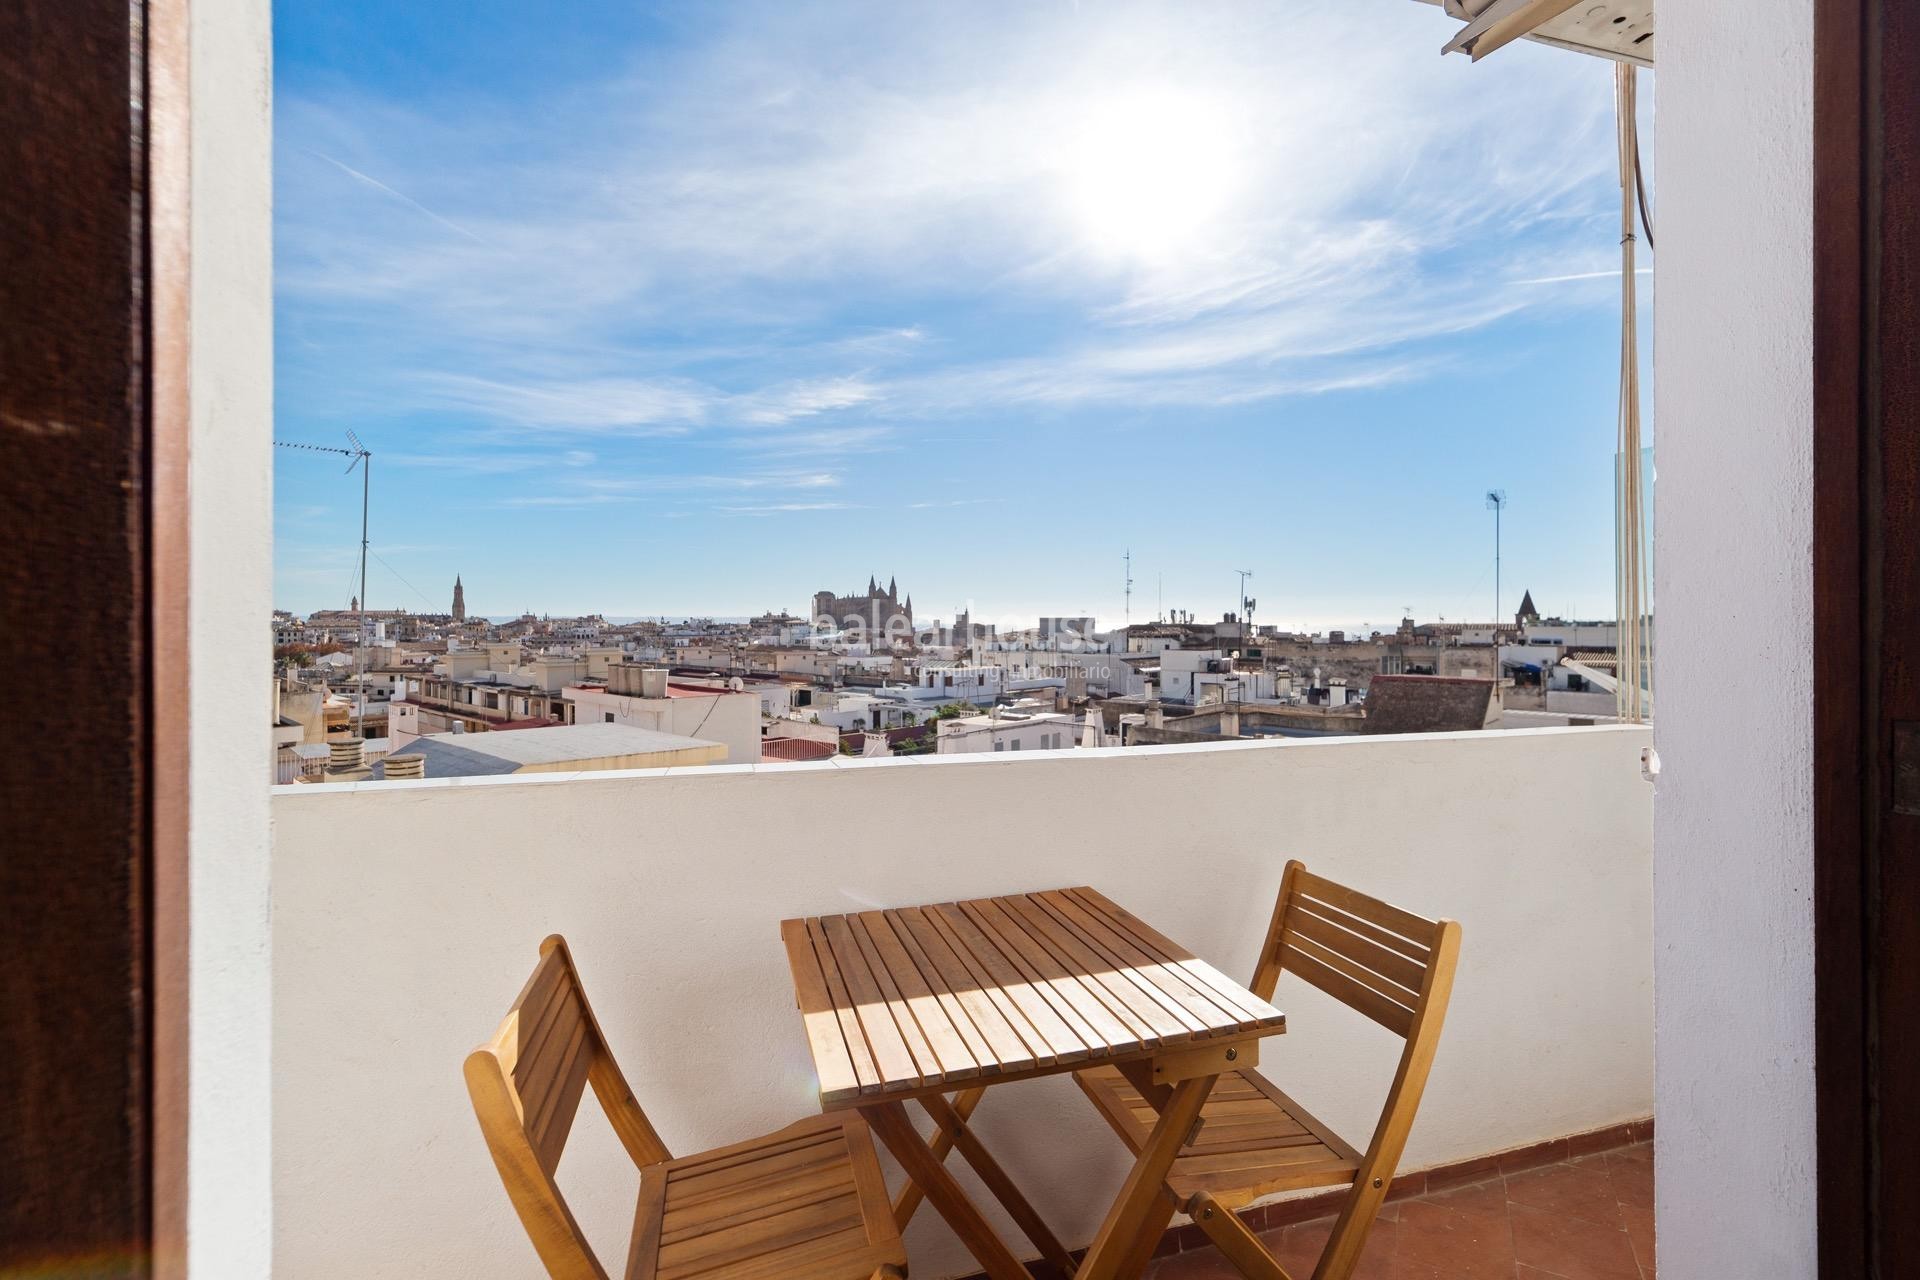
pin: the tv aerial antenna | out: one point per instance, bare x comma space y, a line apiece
362, 457
1496, 503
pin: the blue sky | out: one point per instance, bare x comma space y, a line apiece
702, 307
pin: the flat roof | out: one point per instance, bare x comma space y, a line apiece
1015, 719
673, 690
560, 743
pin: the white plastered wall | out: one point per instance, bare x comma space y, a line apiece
230, 479
1733, 814
394, 957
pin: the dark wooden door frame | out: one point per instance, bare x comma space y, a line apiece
1866, 549
94, 290
166, 748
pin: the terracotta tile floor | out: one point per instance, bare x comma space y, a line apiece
1589, 1218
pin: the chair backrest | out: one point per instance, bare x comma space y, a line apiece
1397, 969
526, 1084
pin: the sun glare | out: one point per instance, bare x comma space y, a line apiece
1150, 173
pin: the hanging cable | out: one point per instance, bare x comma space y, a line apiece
1633, 678
1640, 186
424, 597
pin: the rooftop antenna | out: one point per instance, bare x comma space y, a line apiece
1129, 611
1246, 605
1496, 503
358, 454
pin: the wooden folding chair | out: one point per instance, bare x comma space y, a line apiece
1253, 1140
806, 1201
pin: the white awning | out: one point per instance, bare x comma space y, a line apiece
1621, 30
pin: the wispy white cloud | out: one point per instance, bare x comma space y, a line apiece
1152, 206
804, 399
955, 502
592, 498
638, 406
655, 406
611, 488
815, 442
780, 508
487, 460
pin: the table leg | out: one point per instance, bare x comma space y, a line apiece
907, 1203
953, 1126
1142, 1197
890, 1121
1152, 1230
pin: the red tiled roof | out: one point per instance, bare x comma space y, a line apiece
795, 749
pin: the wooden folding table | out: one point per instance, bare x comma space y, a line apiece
935, 1003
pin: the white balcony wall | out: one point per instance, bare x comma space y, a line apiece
229, 729
406, 917
1733, 397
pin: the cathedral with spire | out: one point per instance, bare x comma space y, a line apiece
459, 600
878, 610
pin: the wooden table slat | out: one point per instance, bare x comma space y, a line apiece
903, 1014
1148, 1022
974, 946
947, 1040
865, 1066
1013, 1044
1082, 1009
1195, 1002
898, 1069
833, 1058
1238, 997
1192, 1003
1165, 1021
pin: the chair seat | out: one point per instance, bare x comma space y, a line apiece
806, 1201
1254, 1140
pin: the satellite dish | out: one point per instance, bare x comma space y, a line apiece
736, 684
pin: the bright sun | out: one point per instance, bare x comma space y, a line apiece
1150, 173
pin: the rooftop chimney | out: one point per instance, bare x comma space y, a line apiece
1092, 729
405, 768
347, 761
